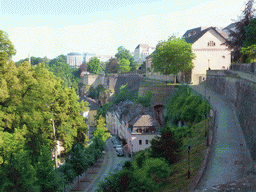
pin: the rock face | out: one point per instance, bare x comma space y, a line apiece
240, 89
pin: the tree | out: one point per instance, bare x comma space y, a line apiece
166, 146
83, 67
250, 34
112, 66
237, 37
124, 65
6, 45
123, 53
173, 56
94, 65
101, 129
249, 51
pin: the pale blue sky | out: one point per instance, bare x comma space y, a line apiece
52, 27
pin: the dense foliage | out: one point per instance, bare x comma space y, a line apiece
29, 98
172, 56
112, 66
237, 37
123, 53
143, 174
6, 45
185, 107
93, 66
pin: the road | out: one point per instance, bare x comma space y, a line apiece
230, 158
110, 164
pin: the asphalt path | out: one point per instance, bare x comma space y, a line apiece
229, 158
111, 164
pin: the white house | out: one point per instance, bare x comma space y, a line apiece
134, 123
74, 59
141, 52
207, 44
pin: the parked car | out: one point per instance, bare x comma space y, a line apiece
120, 152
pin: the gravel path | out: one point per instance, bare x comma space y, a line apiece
229, 159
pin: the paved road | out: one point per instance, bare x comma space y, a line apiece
229, 159
111, 161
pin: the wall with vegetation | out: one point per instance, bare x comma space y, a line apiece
242, 94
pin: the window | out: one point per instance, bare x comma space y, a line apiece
211, 43
140, 142
146, 142
223, 57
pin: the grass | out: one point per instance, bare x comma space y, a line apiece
178, 181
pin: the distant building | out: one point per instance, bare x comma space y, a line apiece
141, 52
136, 124
105, 58
74, 59
87, 56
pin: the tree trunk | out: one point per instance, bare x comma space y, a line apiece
174, 79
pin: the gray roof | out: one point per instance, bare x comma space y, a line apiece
135, 114
230, 26
196, 33
73, 53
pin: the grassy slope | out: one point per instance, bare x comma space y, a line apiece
178, 180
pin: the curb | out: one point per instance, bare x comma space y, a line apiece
194, 184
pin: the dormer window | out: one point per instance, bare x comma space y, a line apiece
194, 33
211, 43
189, 35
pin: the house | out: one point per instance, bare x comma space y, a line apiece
134, 123
211, 53
141, 52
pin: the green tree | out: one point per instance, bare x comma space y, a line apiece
166, 146
93, 65
112, 66
173, 56
250, 33
123, 53
237, 37
124, 65
101, 129
6, 45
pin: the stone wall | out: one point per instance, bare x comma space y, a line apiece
242, 94
244, 67
113, 81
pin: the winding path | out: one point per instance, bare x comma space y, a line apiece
230, 159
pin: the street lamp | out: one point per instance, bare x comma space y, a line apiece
253, 51
188, 149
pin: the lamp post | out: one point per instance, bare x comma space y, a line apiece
188, 149
253, 51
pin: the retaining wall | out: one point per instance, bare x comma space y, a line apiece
241, 93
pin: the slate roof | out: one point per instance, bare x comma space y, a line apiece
196, 33
135, 114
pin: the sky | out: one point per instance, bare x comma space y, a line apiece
53, 27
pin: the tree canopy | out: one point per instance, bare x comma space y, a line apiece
237, 37
123, 53
124, 65
112, 66
6, 45
94, 66
172, 56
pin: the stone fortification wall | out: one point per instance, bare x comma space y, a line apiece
241, 93
114, 81
244, 67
